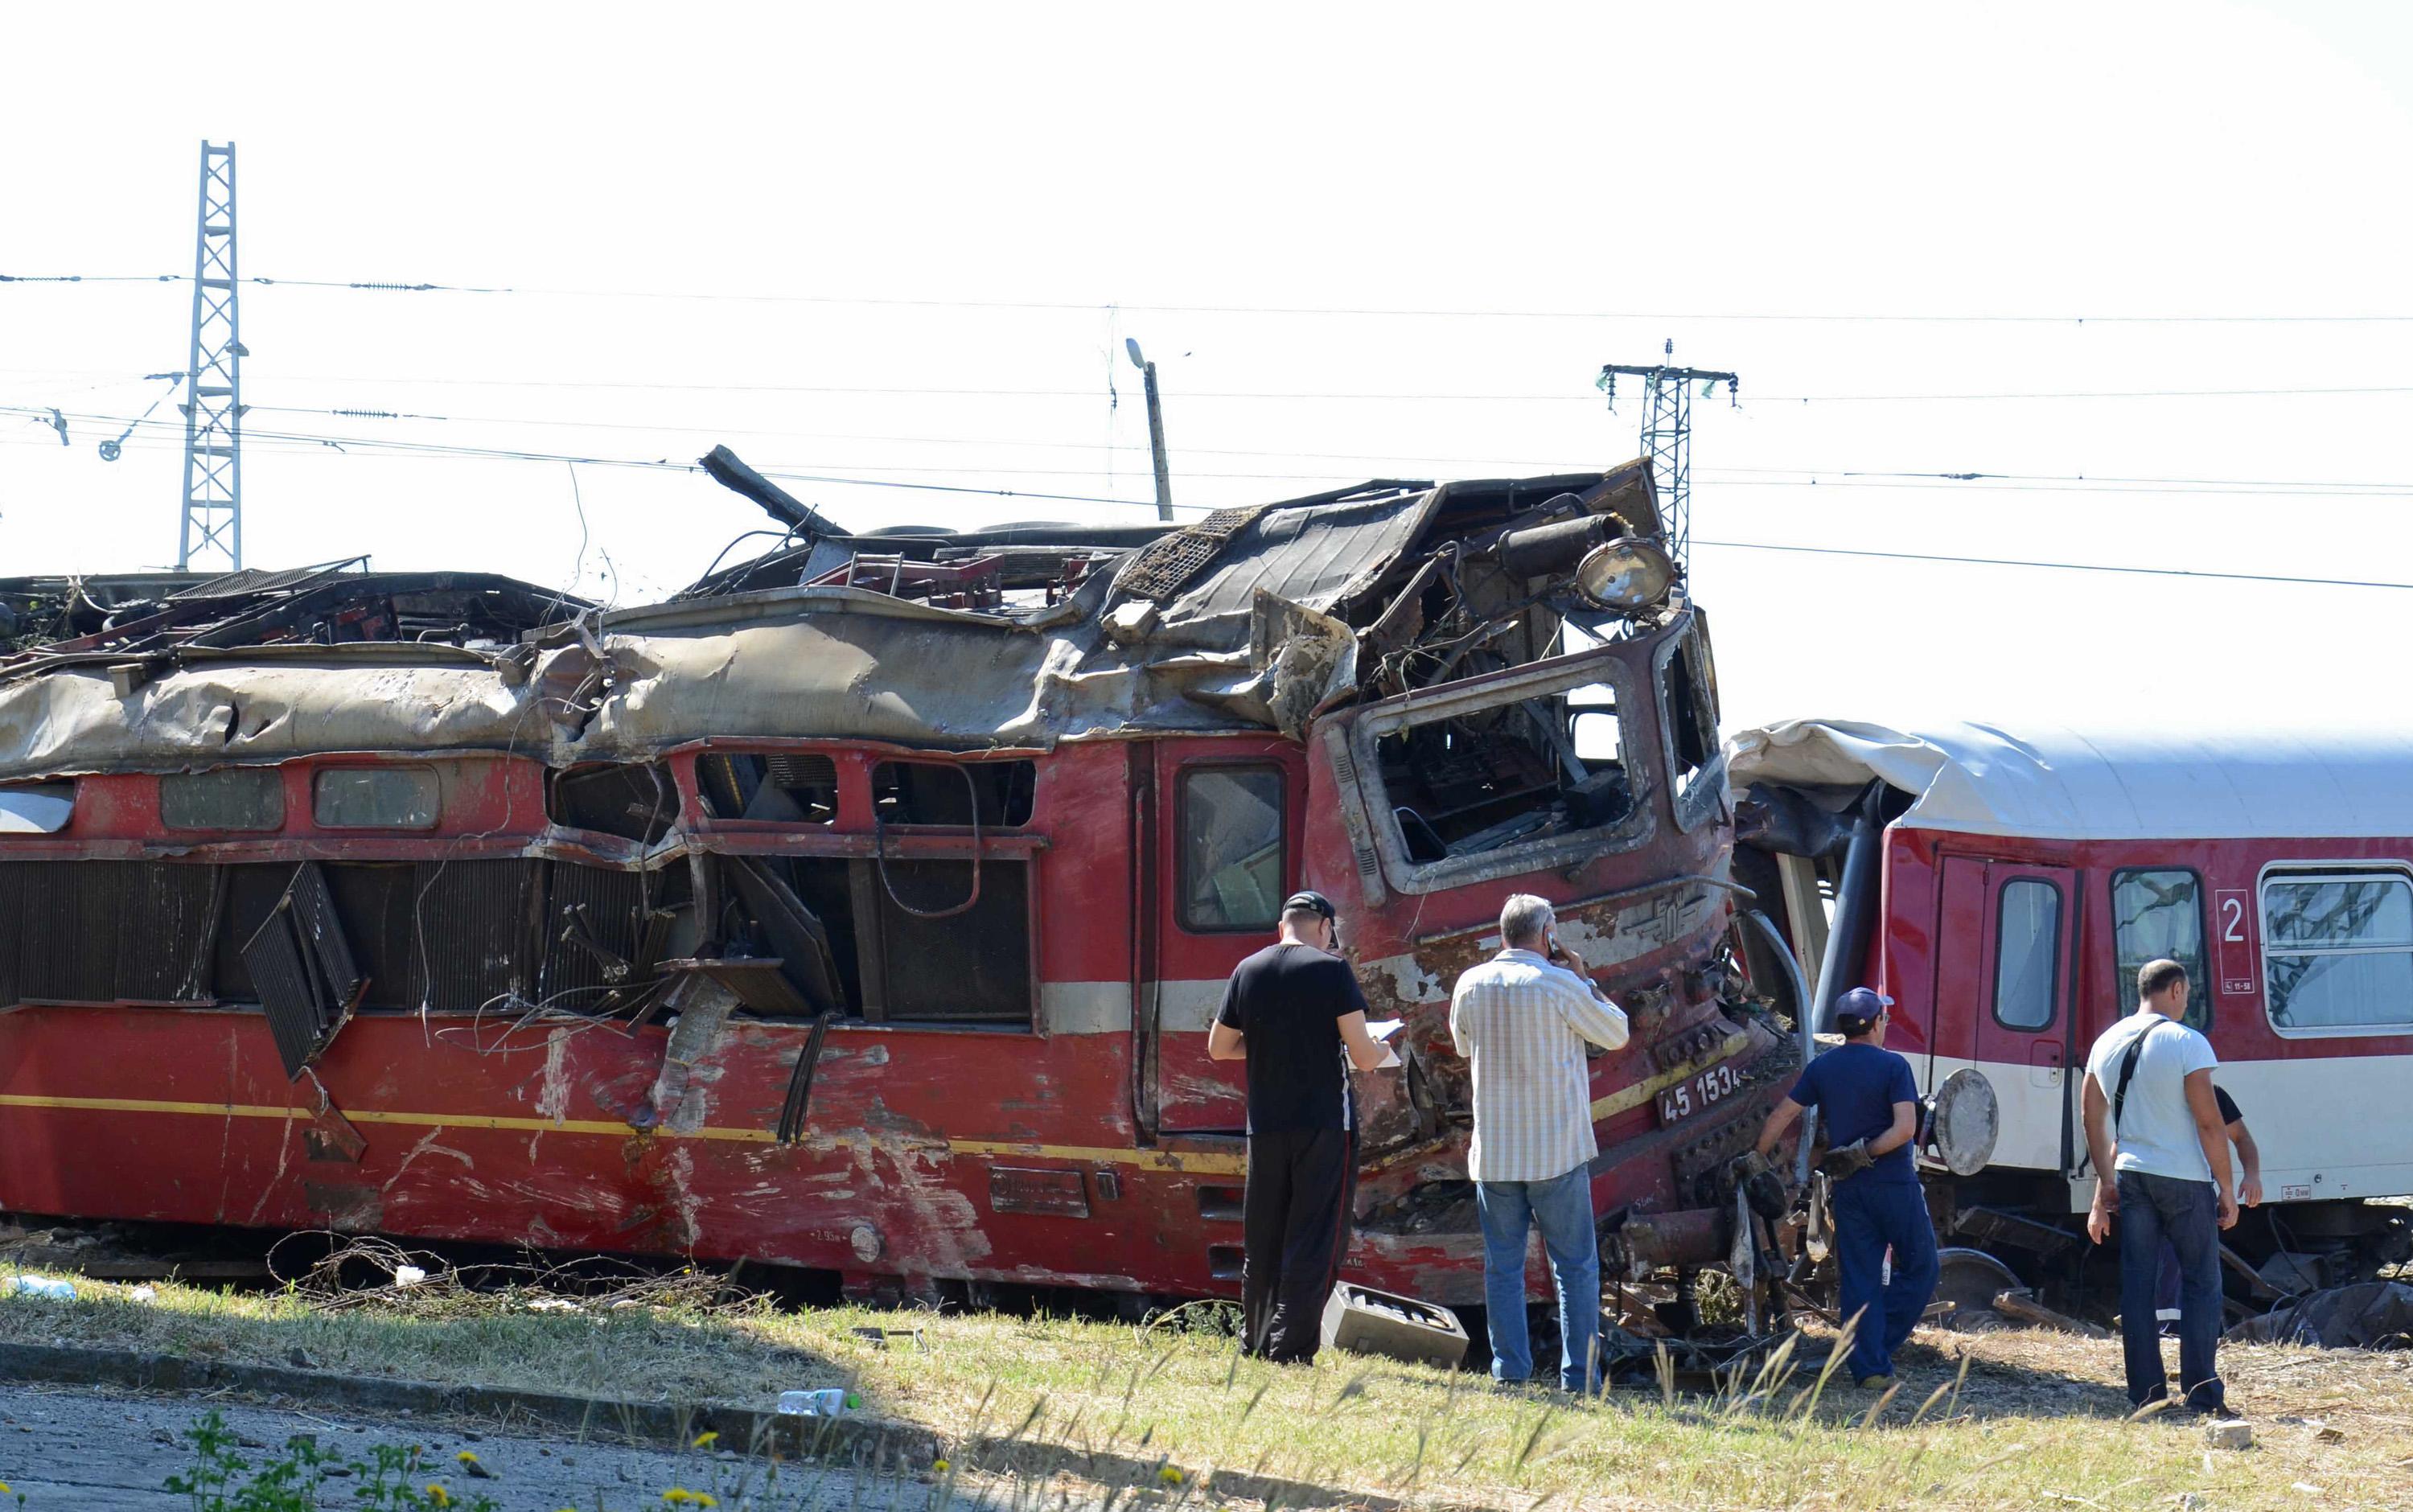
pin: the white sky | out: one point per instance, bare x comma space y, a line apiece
2105, 160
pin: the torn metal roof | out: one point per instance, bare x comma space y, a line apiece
1023, 636
2052, 781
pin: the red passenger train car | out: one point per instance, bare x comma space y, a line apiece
2004, 884
863, 908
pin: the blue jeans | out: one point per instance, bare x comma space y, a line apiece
1868, 1216
1562, 1207
2187, 1213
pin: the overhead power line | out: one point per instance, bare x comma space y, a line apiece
1283, 395
1382, 312
2058, 567
1374, 462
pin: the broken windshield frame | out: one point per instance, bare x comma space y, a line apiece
1553, 800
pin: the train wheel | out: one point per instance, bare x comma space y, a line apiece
1969, 1279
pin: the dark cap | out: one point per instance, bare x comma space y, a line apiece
1316, 902
1857, 1010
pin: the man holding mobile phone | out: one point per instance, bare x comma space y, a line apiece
1522, 1021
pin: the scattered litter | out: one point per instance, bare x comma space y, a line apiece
878, 1338
143, 1294
554, 1304
408, 1275
2021, 1304
2305, 1488
2373, 1314
829, 1401
44, 1286
2229, 1435
2323, 1433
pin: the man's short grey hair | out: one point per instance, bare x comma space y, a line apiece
1524, 919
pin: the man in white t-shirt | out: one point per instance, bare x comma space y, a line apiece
2161, 1166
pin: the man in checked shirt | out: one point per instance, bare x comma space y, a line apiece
1523, 1020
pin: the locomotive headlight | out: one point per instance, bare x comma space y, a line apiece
1625, 575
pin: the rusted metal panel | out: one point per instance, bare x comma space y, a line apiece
1055, 1194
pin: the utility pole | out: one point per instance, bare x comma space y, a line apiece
1155, 431
213, 510
1668, 433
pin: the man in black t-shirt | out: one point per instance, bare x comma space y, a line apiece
1293, 1013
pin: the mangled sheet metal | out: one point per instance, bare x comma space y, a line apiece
1022, 636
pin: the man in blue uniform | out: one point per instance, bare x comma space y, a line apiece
1868, 1104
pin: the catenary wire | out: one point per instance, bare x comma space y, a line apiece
1585, 396
1102, 308
2059, 566
1807, 478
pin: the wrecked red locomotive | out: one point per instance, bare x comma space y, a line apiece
862, 908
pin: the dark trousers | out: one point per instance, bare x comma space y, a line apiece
1294, 1222
1870, 1216
2187, 1213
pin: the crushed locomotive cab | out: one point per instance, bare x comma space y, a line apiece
862, 908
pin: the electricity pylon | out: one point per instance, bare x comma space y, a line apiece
1667, 434
213, 513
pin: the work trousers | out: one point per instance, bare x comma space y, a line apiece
1295, 1224
1870, 1216
1561, 1208
2187, 1214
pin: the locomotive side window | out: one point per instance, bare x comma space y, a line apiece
2338, 952
786, 789
949, 793
1231, 848
231, 797
2027, 943
2158, 915
376, 797
1688, 709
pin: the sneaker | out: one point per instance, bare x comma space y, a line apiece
1873, 1383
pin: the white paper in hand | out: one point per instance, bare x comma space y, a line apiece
1383, 1029
1390, 1059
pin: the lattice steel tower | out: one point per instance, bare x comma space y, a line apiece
1668, 433
213, 515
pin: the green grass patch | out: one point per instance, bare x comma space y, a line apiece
2013, 1420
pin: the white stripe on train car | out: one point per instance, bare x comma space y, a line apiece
2328, 1126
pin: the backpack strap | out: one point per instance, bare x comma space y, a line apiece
2128, 1073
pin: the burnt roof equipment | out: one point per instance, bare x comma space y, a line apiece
734, 474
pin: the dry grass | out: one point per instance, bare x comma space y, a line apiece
2013, 1420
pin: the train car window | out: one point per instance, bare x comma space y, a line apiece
2158, 915
2338, 952
945, 792
634, 800
231, 797
1521, 773
2027, 946
1592, 719
1688, 707
376, 797
35, 807
1231, 848
784, 789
